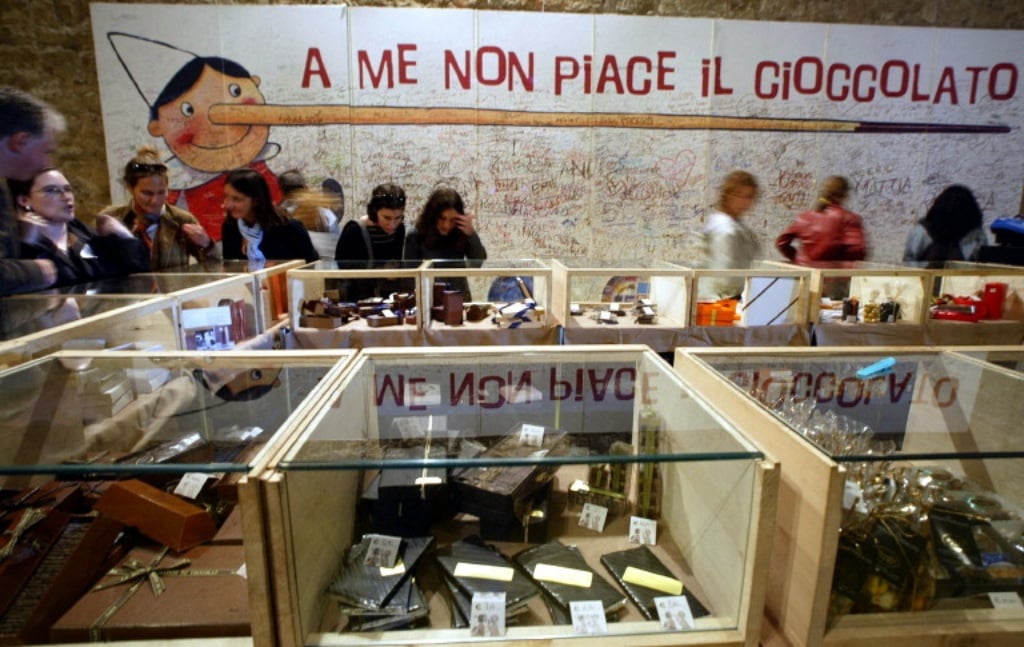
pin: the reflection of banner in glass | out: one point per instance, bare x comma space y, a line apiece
579, 398
882, 403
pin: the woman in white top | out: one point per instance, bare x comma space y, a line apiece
729, 244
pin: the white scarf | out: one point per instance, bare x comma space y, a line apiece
253, 237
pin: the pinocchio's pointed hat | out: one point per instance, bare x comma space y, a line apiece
150, 64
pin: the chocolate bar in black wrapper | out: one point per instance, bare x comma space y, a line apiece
503, 493
366, 586
409, 500
642, 559
559, 594
472, 554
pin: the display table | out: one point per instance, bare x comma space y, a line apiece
356, 334
902, 333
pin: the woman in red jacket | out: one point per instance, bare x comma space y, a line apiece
826, 233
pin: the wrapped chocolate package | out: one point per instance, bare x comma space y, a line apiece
407, 607
643, 577
503, 492
475, 567
86, 549
564, 576
152, 595
410, 500
372, 587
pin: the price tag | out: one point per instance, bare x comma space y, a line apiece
674, 613
487, 614
191, 484
382, 551
588, 617
242, 571
593, 516
643, 531
1005, 600
531, 435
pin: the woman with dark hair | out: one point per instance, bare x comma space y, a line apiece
173, 236
50, 231
375, 240
255, 229
950, 231
828, 232
444, 231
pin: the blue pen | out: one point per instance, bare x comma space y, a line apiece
881, 367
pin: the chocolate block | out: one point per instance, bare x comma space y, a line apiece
452, 307
160, 516
25, 542
381, 321
323, 322
88, 548
503, 493
198, 595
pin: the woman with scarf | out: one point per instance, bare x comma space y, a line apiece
255, 229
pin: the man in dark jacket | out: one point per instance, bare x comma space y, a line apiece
28, 137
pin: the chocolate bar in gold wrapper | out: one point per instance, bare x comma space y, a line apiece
153, 595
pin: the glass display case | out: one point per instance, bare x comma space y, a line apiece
603, 302
902, 482
493, 301
34, 325
867, 304
269, 284
436, 496
215, 311
120, 470
767, 294
975, 303
350, 305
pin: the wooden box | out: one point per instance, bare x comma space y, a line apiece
940, 408
710, 492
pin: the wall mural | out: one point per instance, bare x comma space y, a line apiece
607, 141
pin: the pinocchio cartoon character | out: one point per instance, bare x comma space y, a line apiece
179, 87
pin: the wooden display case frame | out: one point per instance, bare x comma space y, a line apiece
807, 536
303, 551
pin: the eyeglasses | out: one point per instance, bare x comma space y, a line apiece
136, 167
54, 191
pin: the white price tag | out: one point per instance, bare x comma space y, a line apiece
1005, 600
191, 484
588, 617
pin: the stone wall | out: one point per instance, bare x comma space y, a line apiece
47, 48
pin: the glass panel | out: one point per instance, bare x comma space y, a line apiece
124, 413
925, 405
528, 451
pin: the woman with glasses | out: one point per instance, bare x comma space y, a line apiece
173, 236
374, 241
51, 231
